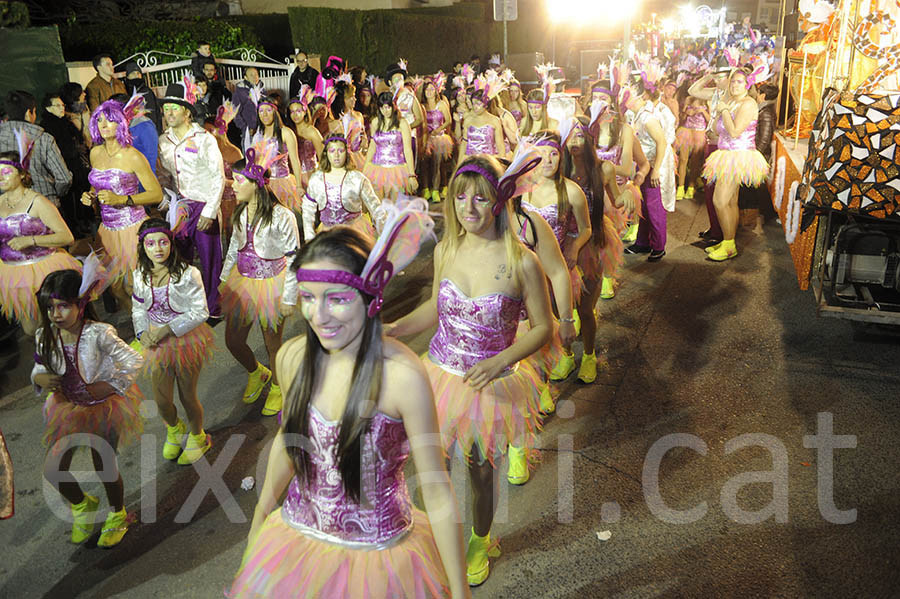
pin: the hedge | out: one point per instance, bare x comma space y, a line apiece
14, 14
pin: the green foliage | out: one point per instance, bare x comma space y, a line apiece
14, 14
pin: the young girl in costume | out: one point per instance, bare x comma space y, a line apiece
483, 131
515, 104
169, 312
337, 193
283, 143
439, 145
255, 283
348, 121
309, 140
536, 118
690, 142
32, 233
486, 392
347, 528
389, 161
736, 162
90, 374
461, 106
118, 172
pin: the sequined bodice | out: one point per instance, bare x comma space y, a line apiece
613, 155
320, 508
252, 266
334, 213
161, 311
120, 183
308, 159
745, 141
695, 121
22, 225
72, 383
549, 213
481, 140
435, 119
471, 329
517, 114
389, 148
280, 168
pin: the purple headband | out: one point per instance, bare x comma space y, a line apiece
254, 171
266, 103
146, 232
18, 165
541, 102
335, 137
505, 187
547, 142
603, 90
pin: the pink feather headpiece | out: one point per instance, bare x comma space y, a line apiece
135, 107
260, 157
24, 145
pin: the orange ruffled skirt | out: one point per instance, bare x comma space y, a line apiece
693, 140
362, 224
595, 263
283, 562
285, 189
736, 167
253, 299
121, 246
20, 282
440, 146
117, 419
506, 411
188, 353
387, 180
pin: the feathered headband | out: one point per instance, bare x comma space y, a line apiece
514, 181
224, 115
548, 82
440, 80
24, 145
260, 156
405, 229
761, 70
191, 91
94, 279
135, 107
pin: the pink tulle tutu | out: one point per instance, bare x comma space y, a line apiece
188, 353
358, 159
253, 299
596, 262
284, 563
20, 282
440, 146
116, 419
285, 189
693, 140
387, 180
361, 223
544, 359
736, 167
121, 246
507, 410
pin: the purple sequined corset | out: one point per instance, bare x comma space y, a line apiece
389, 149
308, 159
435, 119
517, 114
319, 508
472, 329
744, 141
252, 266
120, 183
695, 121
481, 140
280, 168
22, 225
334, 213
550, 215
613, 155
161, 311
73, 386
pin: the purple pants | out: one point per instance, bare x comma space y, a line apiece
715, 231
207, 245
652, 228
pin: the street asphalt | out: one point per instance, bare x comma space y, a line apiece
730, 357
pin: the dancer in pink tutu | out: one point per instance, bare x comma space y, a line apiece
439, 144
482, 131
309, 140
255, 283
389, 161
282, 182
357, 405
169, 312
93, 401
32, 235
690, 142
348, 121
337, 193
736, 162
487, 394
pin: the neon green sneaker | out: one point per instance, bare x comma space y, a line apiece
607, 288
426, 193
175, 439
256, 382
273, 401
518, 466
563, 368
548, 405
477, 553
196, 446
689, 193
114, 529
83, 518
631, 232
679, 193
587, 372
726, 251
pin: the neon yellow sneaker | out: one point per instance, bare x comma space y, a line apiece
114, 529
477, 553
256, 382
196, 446
608, 288
426, 193
444, 191
631, 232
726, 251
518, 466
273, 401
587, 372
563, 368
577, 323
83, 518
175, 439
548, 406
679, 193
689, 193
713, 248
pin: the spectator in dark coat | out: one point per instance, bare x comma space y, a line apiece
303, 73
199, 58
134, 80
244, 92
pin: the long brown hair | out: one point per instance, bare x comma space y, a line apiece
61, 285
590, 167
528, 122
175, 264
563, 208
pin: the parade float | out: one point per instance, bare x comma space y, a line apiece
837, 192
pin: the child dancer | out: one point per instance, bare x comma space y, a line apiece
389, 161
347, 528
170, 312
90, 374
255, 285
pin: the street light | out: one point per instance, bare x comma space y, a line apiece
592, 12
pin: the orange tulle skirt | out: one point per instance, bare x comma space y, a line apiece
121, 246
20, 282
440, 146
544, 359
693, 140
362, 224
358, 159
188, 353
117, 419
596, 262
387, 180
736, 167
505, 411
283, 563
285, 189
253, 299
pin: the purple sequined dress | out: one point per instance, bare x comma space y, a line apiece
481, 140
387, 172
736, 160
323, 544
470, 330
119, 227
440, 145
